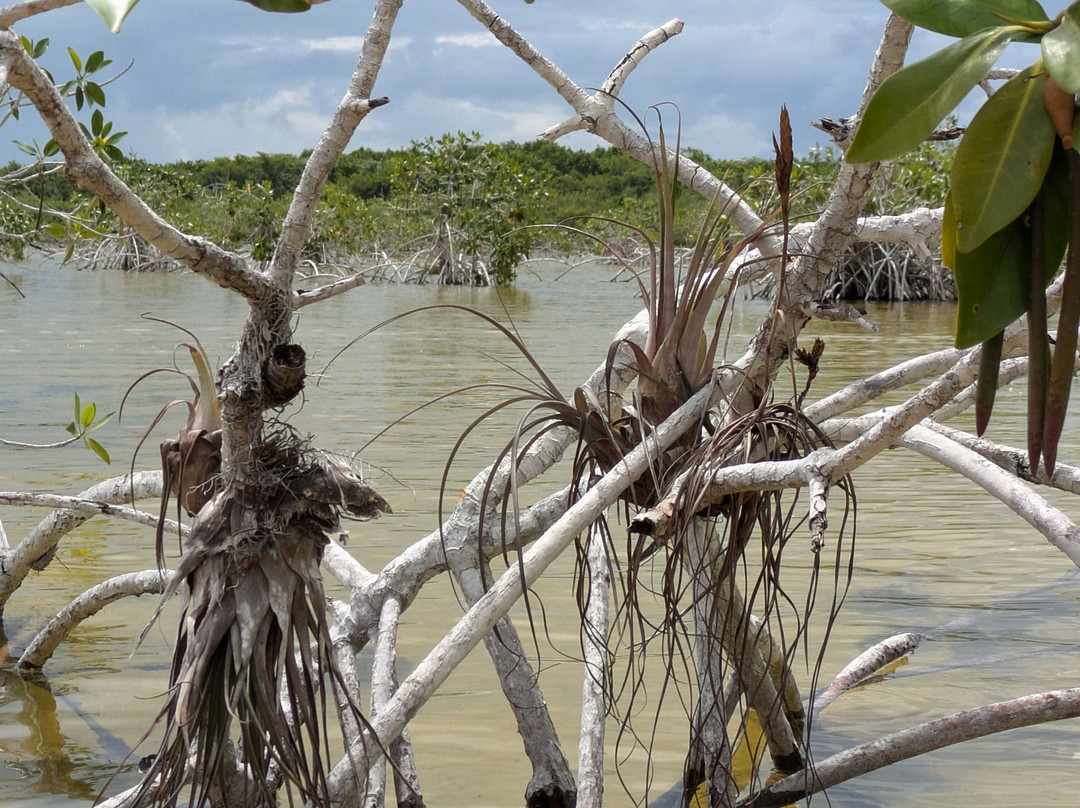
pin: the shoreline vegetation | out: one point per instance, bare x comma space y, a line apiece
455, 210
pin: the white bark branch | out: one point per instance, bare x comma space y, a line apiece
595, 678
20, 11
866, 664
596, 115
16, 563
956, 728
1051, 522
89, 603
86, 169
434, 669
352, 109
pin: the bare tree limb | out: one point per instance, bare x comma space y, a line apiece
89, 603
433, 670
866, 664
595, 677
1051, 522
39, 545
956, 728
597, 115
85, 168
352, 109
20, 11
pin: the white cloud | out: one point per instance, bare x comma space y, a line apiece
287, 121
351, 44
482, 40
719, 133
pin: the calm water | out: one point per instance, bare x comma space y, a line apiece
931, 550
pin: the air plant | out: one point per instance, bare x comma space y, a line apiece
191, 462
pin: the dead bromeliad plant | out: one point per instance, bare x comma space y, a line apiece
245, 713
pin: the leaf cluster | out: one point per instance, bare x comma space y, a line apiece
1014, 190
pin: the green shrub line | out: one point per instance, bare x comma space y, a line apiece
455, 208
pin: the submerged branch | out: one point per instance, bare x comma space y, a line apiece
956, 728
37, 549
89, 603
430, 673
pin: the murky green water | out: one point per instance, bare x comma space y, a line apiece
931, 550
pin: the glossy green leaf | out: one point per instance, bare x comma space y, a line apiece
964, 17
948, 234
51, 148
96, 61
992, 281
112, 11
75, 60
100, 422
1061, 50
87, 416
95, 93
98, 449
1002, 159
281, 6
911, 102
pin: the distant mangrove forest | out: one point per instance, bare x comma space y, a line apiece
452, 209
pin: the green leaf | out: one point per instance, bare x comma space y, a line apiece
26, 148
992, 280
88, 413
71, 428
78, 408
101, 422
40, 47
964, 17
79, 97
68, 253
95, 93
112, 11
75, 60
98, 449
1061, 50
51, 148
56, 230
281, 6
1002, 159
95, 62
910, 103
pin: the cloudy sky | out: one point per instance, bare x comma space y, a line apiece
219, 77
